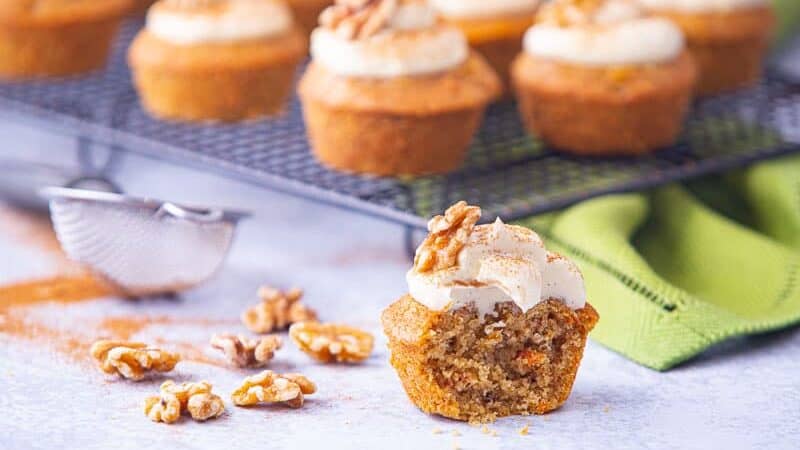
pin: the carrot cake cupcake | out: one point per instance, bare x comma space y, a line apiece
216, 59
307, 12
57, 37
493, 28
391, 91
727, 38
493, 324
599, 78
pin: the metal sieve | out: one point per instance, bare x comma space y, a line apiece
145, 246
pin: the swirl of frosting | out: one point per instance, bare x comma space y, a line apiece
498, 263
385, 38
602, 33
472, 9
191, 22
702, 6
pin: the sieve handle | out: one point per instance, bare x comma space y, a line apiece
169, 209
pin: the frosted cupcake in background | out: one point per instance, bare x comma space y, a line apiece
223, 60
727, 38
56, 37
392, 91
493, 28
601, 78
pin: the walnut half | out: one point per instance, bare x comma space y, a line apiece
358, 19
448, 235
242, 351
332, 342
132, 360
270, 387
277, 310
173, 399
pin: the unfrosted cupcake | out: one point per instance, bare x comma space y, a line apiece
306, 12
391, 91
493, 28
727, 38
57, 37
493, 324
601, 78
216, 59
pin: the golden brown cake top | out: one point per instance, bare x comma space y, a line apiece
24, 11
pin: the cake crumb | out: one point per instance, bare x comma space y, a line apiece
606, 409
436, 430
494, 433
524, 430
455, 433
485, 430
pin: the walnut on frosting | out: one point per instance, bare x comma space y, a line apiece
448, 235
358, 19
566, 13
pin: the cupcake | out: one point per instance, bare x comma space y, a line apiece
493, 28
222, 60
306, 12
600, 78
391, 91
493, 324
57, 38
727, 38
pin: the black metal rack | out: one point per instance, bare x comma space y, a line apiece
507, 173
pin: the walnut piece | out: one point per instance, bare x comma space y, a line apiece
568, 13
358, 19
448, 235
277, 310
332, 342
132, 360
270, 387
173, 399
242, 351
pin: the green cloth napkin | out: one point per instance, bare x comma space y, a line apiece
678, 269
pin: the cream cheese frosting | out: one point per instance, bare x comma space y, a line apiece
500, 263
615, 33
476, 9
702, 6
409, 42
193, 22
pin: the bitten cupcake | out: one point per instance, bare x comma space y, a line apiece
216, 59
56, 37
600, 78
391, 91
727, 38
307, 12
493, 28
493, 324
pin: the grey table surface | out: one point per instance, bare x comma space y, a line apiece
743, 394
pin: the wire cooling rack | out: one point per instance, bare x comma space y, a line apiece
507, 173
